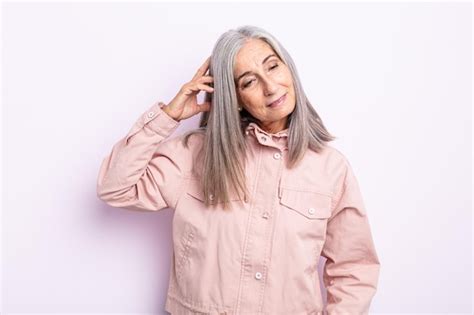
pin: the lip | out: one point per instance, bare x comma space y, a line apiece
278, 102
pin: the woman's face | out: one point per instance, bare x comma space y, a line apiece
262, 78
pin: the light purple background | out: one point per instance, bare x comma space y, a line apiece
392, 81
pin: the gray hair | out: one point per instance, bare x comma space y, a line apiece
224, 147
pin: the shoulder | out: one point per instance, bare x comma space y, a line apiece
336, 154
332, 155
337, 160
188, 141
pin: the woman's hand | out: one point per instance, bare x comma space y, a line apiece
184, 104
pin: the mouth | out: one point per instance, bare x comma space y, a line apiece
278, 101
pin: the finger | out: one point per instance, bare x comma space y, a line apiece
205, 107
205, 87
190, 89
196, 88
203, 68
208, 80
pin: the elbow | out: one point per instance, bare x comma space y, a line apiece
105, 195
101, 194
113, 197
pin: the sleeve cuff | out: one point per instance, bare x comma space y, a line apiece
158, 120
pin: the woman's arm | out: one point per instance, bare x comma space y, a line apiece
143, 171
352, 268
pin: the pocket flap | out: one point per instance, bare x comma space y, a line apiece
196, 191
312, 205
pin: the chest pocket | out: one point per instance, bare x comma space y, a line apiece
312, 205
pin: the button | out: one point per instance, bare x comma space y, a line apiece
211, 196
331, 282
258, 275
277, 156
263, 138
311, 210
151, 114
265, 215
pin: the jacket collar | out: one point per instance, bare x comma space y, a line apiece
255, 128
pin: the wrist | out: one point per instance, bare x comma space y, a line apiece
166, 110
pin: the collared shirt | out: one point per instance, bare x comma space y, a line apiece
262, 257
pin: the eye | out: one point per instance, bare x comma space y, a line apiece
276, 65
248, 83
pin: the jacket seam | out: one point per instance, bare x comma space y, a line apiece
184, 182
337, 198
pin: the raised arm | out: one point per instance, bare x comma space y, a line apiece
143, 170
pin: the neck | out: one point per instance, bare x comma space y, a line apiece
274, 126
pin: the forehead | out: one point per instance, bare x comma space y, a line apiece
251, 55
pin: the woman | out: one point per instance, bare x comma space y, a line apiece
257, 192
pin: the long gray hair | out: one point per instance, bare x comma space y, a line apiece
224, 147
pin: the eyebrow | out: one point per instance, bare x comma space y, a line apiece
248, 72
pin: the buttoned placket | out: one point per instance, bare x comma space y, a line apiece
260, 228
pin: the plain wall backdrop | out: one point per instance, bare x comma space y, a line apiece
391, 81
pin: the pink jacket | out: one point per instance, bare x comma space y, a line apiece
262, 257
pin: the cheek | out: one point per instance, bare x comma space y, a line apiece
251, 99
253, 103
288, 78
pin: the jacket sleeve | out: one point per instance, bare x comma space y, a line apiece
352, 267
142, 170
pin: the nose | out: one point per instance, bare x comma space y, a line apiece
270, 86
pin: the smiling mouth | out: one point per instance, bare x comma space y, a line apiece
278, 101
